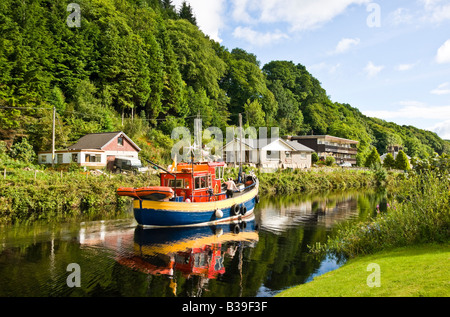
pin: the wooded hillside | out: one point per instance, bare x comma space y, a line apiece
143, 67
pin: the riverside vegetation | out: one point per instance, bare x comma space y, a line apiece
26, 195
409, 237
417, 213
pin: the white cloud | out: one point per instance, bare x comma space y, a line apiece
209, 16
442, 129
331, 69
345, 44
400, 16
436, 11
411, 109
443, 89
443, 53
258, 38
298, 14
372, 70
405, 67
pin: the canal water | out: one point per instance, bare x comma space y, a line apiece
115, 257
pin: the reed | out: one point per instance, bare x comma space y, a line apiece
418, 213
27, 196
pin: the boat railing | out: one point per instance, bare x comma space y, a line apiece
220, 194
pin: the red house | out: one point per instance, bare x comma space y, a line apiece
95, 150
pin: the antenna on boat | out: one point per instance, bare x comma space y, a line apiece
240, 148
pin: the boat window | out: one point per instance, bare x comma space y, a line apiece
201, 182
171, 183
219, 172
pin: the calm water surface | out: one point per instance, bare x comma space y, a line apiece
116, 258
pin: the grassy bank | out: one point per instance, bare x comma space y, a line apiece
290, 181
47, 194
418, 213
420, 270
26, 195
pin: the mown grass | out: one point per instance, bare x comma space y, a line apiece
413, 271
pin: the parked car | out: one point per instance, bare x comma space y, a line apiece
129, 164
346, 164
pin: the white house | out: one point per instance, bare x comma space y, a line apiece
95, 150
268, 153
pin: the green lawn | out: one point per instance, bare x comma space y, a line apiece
407, 272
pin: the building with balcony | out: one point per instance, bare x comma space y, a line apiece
343, 150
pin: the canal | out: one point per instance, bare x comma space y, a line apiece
114, 257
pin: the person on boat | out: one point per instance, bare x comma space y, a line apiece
231, 187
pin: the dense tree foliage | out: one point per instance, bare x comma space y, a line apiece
143, 66
389, 161
373, 159
402, 162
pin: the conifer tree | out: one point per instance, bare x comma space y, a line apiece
187, 13
373, 158
402, 162
389, 161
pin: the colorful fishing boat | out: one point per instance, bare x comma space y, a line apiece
193, 194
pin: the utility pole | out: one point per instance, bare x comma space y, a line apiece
240, 139
53, 136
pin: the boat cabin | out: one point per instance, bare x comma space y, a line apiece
203, 184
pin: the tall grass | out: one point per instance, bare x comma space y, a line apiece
419, 213
50, 196
294, 181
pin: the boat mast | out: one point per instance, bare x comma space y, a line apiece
240, 148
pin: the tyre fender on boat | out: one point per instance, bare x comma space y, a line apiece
235, 210
243, 210
257, 199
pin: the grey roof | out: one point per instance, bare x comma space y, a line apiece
98, 141
298, 146
259, 143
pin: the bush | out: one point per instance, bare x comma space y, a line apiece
22, 151
330, 160
389, 161
402, 162
314, 158
373, 158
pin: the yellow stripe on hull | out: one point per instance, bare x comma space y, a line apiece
188, 207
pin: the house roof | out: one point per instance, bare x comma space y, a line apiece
99, 141
260, 143
382, 157
326, 137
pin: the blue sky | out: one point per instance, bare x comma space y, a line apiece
389, 59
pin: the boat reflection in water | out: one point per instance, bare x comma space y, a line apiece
192, 251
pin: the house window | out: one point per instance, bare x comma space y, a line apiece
59, 158
98, 158
75, 158
87, 158
120, 141
43, 158
273, 155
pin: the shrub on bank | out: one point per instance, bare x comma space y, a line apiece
50, 196
419, 214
